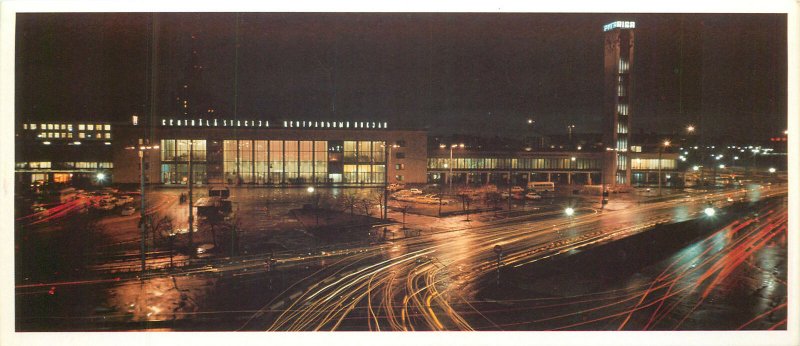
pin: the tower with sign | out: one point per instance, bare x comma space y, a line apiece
617, 110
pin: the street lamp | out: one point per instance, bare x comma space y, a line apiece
709, 211
450, 176
101, 177
315, 202
690, 128
569, 211
388, 153
570, 128
142, 149
660, 151
772, 169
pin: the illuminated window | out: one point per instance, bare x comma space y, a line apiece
108, 135
25, 126
49, 135
69, 134
90, 127
33, 126
57, 135
69, 127
399, 167
81, 135
49, 126
107, 127
81, 127
63, 126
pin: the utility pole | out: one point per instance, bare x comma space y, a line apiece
142, 222
191, 211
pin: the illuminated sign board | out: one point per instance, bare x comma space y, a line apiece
619, 25
307, 124
214, 123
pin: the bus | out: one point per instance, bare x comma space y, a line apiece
541, 186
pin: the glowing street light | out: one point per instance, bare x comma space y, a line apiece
660, 151
709, 211
695, 168
310, 189
569, 211
452, 146
772, 169
101, 177
690, 128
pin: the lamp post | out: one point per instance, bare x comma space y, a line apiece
191, 208
450, 163
661, 150
569, 129
388, 152
142, 223
312, 192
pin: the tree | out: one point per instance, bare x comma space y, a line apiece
158, 226
465, 199
404, 209
493, 199
377, 198
349, 200
367, 205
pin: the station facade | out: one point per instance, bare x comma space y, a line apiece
258, 153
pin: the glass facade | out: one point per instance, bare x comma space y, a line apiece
175, 161
364, 162
652, 164
514, 164
275, 161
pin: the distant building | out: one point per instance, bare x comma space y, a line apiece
618, 48
63, 152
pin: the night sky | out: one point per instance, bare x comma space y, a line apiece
448, 73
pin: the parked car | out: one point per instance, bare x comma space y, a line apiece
105, 205
505, 195
517, 189
533, 195
123, 200
128, 211
415, 191
394, 187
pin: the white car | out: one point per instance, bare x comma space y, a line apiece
415, 191
531, 195
128, 211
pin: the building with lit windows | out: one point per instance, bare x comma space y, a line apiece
63, 152
618, 82
471, 166
258, 152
